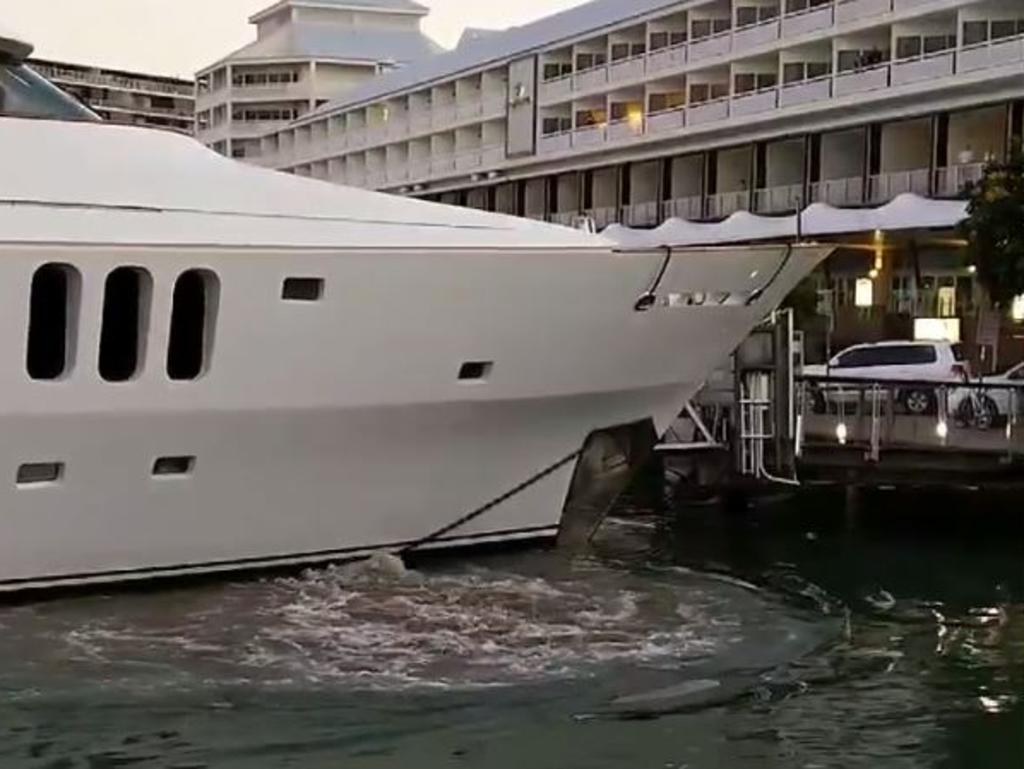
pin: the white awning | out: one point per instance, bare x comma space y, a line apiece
906, 212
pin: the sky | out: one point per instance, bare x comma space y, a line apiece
179, 37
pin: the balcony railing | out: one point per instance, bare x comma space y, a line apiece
724, 204
810, 20
994, 53
805, 92
884, 187
777, 200
861, 80
667, 58
641, 214
839, 192
708, 47
927, 67
952, 181
691, 207
755, 102
763, 33
855, 10
603, 216
626, 129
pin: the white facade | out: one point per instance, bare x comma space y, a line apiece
694, 109
306, 53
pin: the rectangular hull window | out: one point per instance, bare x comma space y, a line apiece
303, 289
192, 324
475, 371
52, 321
170, 466
35, 473
125, 320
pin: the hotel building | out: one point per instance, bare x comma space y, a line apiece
128, 98
635, 111
306, 53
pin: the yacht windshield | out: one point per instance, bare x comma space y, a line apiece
23, 93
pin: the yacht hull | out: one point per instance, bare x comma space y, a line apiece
325, 430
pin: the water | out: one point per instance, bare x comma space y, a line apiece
793, 636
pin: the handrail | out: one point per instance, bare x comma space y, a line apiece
866, 383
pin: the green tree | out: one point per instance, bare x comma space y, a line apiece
995, 228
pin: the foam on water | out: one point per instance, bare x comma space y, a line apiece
381, 627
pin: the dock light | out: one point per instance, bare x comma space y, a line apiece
942, 429
1017, 311
842, 433
873, 274
972, 269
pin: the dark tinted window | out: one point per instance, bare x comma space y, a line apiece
125, 315
191, 324
52, 319
959, 354
896, 355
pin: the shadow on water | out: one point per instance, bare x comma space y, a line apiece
793, 635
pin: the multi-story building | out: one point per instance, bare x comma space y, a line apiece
307, 52
635, 111
129, 98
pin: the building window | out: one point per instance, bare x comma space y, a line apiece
126, 301
52, 325
193, 319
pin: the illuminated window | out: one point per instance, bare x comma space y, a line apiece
865, 293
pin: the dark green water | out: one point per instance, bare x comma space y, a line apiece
794, 636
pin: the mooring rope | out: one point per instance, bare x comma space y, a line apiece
484, 509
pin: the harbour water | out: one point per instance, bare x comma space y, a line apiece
793, 636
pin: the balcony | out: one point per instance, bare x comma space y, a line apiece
442, 165
443, 115
691, 208
469, 109
778, 200
805, 22
589, 136
551, 143
725, 204
706, 48
641, 214
665, 122
951, 182
565, 218
927, 67
861, 81
556, 90
625, 129
397, 174
884, 187
806, 92
708, 112
420, 122
994, 53
855, 10
758, 34
588, 79
628, 69
754, 103
667, 58
468, 160
839, 192
603, 216
419, 169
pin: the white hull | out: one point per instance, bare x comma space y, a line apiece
323, 430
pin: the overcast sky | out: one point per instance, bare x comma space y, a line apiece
178, 37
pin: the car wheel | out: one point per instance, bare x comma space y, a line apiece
986, 413
918, 402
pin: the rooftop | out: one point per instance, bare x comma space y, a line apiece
383, 6
317, 40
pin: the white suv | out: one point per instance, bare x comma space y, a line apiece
917, 362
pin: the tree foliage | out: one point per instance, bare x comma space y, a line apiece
995, 228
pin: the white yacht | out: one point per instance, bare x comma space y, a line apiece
211, 367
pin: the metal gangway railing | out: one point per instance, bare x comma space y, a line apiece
878, 414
